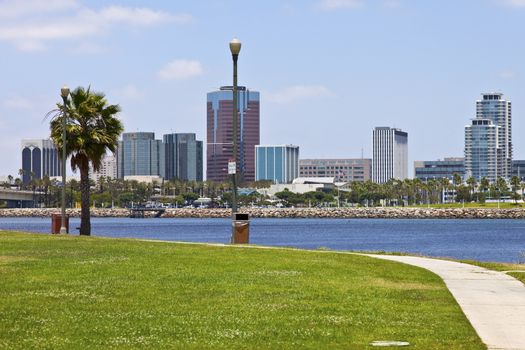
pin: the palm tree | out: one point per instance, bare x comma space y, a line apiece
456, 180
444, 187
501, 183
484, 184
516, 185
472, 183
92, 129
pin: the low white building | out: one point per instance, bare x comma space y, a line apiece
150, 179
300, 185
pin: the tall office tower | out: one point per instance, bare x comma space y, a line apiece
494, 108
481, 149
183, 157
277, 163
390, 154
40, 158
343, 170
108, 168
219, 135
140, 154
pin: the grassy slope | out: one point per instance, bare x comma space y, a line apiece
73, 292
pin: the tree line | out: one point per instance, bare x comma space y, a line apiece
109, 192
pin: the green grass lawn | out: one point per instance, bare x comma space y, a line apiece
70, 292
502, 205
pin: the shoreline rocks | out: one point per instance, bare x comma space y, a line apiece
329, 213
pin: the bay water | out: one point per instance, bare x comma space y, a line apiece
478, 239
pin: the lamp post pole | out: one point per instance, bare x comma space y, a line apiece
235, 48
64, 92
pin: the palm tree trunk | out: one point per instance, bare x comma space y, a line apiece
85, 223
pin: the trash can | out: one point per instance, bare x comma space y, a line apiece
56, 222
240, 229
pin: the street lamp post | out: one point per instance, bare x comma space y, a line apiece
64, 92
235, 48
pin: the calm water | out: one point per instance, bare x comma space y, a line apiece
485, 240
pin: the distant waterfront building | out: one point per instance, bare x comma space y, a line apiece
108, 168
219, 135
140, 154
439, 169
301, 185
390, 154
183, 157
40, 158
343, 169
481, 149
491, 157
518, 169
277, 163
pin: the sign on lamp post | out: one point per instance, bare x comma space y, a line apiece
232, 167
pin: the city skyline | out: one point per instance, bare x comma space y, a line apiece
326, 79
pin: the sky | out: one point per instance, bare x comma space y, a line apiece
328, 71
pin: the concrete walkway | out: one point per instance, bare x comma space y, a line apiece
493, 302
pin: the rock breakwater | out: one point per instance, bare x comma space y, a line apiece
346, 213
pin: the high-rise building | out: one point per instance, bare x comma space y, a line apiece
390, 154
183, 156
481, 149
343, 170
140, 154
279, 163
439, 169
40, 158
108, 168
518, 169
492, 106
219, 136
488, 139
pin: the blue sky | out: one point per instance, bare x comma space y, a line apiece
328, 70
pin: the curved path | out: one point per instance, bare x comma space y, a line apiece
493, 302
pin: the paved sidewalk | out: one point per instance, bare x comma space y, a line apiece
493, 302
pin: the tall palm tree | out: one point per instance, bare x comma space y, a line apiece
472, 183
92, 129
515, 183
484, 184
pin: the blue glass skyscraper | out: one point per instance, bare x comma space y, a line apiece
277, 163
140, 154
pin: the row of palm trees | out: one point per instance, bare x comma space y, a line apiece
433, 191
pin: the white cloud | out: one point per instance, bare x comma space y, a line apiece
180, 70
516, 3
331, 5
140, 16
29, 33
16, 8
298, 92
17, 102
31, 46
